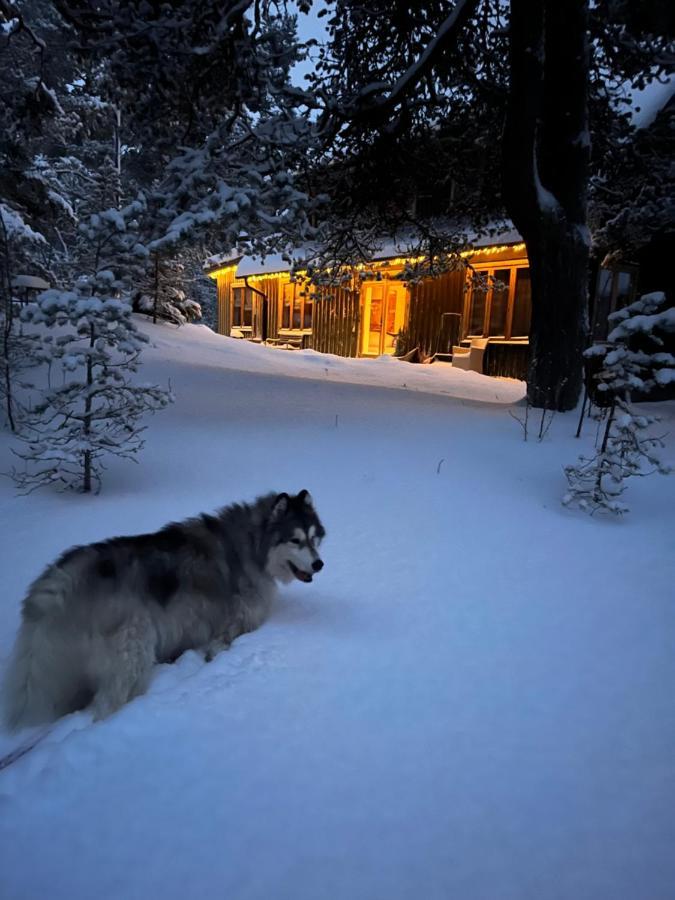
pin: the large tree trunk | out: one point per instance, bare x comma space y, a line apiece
546, 153
7, 312
155, 302
87, 456
558, 337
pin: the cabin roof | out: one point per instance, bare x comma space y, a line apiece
389, 248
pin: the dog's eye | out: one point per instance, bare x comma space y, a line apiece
295, 541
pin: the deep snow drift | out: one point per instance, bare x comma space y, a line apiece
473, 700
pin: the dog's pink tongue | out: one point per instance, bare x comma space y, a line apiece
305, 576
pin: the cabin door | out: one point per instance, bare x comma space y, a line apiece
383, 316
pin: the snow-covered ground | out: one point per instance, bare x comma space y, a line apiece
474, 700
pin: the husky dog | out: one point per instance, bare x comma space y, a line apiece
97, 620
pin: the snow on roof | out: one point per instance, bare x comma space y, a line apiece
220, 259
30, 281
256, 265
508, 236
649, 102
388, 248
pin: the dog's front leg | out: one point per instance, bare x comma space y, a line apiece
214, 647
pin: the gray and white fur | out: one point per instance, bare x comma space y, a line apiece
98, 619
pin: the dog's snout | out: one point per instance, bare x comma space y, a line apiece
317, 565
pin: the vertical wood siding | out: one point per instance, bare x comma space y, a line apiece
271, 287
428, 328
223, 283
507, 360
336, 322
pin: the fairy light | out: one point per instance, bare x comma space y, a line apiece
375, 264
225, 270
283, 274
497, 248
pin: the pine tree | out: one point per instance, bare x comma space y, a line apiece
163, 294
214, 129
635, 360
87, 332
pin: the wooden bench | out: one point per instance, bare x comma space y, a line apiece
289, 341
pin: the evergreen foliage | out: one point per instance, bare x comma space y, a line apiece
635, 360
88, 336
133, 136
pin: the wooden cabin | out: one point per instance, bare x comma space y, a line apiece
378, 313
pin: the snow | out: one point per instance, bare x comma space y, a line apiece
473, 700
30, 281
501, 232
546, 200
268, 265
15, 226
220, 259
648, 103
244, 356
385, 248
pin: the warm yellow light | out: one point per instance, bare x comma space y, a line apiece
502, 248
285, 274
414, 260
223, 271
376, 264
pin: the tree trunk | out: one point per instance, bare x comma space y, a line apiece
546, 150
7, 327
117, 148
155, 302
558, 336
86, 480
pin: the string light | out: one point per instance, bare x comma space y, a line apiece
501, 248
214, 273
283, 274
379, 264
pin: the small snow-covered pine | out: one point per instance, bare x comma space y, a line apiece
88, 333
635, 359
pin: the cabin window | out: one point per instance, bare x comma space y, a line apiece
522, 304
477, 315
237, 299
499, 303
289, 292
248, 308
297, 310
297, 306
242, 307
307, 311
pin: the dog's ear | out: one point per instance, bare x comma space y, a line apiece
306, 498
279, 507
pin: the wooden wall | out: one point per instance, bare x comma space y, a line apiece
336, 322
271, 286
428, 329
507, 360
224, 280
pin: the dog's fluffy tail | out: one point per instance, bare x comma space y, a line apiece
38, 682
23, 700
